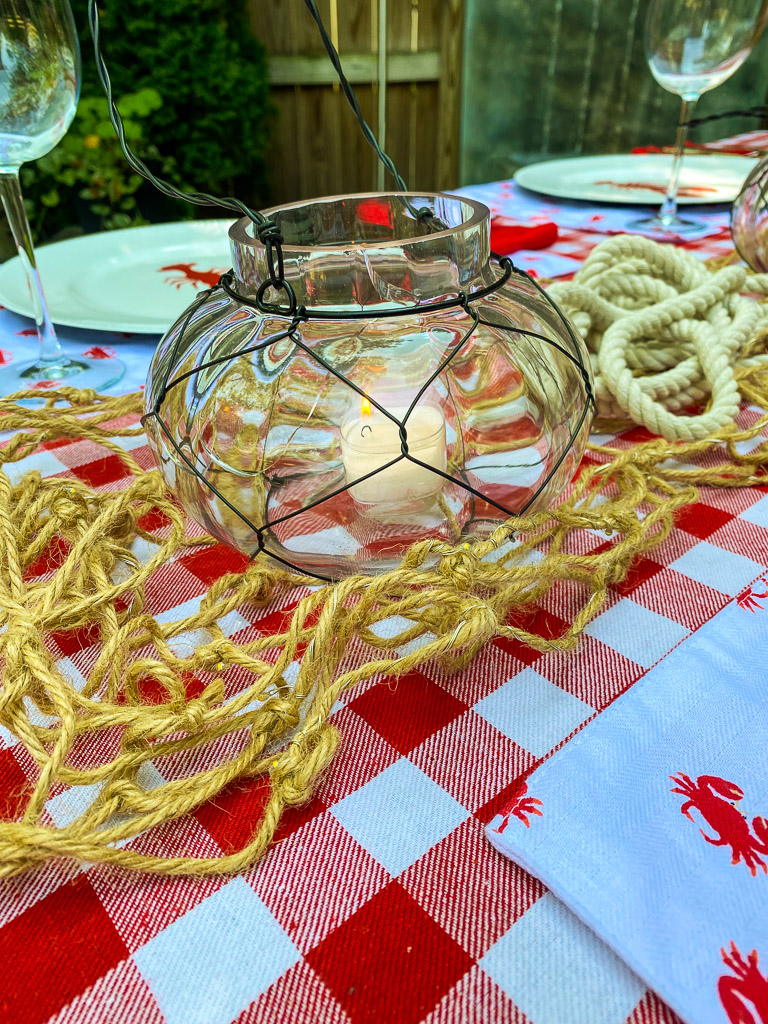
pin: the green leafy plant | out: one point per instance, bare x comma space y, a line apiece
211, 72
86, 176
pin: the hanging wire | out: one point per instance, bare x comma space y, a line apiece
351, 98
267, 229
760, 111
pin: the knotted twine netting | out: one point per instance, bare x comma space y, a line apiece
665, 332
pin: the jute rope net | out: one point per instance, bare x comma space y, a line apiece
276, 725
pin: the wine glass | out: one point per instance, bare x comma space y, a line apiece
39, 86
693, 46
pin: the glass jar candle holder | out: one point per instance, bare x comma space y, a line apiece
414, 387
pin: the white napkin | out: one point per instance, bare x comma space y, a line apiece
682, 898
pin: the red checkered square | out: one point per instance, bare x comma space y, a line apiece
60, 442
674, 547
211, 563
54, 556
170, 586
235, 814
678, 597
593, 672
298, 996
701, 520
184, 837
362, 754
471, 760
141, 905
458, 882
154, 521
564, 599
121, 996
105, 470
54, 951
481, 677
390, 961
733, 499
15, 787
532, 619
641, 571
69, 641
406, 711
636, 435
744, 538
316, 879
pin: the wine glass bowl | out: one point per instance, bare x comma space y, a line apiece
39, 88
39, 80
693, 46
696, 50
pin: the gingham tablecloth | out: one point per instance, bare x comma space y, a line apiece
383, 901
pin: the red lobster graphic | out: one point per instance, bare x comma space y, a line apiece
520, 808
100, 352
749, 597
207, 278
749, 986
715, 799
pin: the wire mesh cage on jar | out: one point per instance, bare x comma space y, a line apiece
401, 384
749, 218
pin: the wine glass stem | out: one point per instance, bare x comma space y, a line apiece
668, 210
13, 204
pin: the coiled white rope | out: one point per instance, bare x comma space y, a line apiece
664, 333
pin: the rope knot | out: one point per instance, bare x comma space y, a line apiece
124, 792
460, 568
194, 715
69, 509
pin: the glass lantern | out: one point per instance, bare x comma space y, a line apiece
749, 219
416, 388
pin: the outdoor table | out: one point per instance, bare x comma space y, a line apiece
382, 901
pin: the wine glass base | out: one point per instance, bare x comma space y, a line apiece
665, 227
94, 374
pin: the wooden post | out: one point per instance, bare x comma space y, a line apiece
449, 103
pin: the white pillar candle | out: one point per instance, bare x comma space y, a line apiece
371, 440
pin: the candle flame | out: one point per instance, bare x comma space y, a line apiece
365, 407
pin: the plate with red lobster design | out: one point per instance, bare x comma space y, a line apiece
139, 280
638, 178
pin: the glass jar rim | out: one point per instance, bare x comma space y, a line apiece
478, 213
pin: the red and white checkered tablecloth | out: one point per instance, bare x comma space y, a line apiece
382, 900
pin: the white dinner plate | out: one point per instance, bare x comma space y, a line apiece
638, 178
136, 280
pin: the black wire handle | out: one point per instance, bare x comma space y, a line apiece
760, 111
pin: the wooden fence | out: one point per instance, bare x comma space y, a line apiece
318, 147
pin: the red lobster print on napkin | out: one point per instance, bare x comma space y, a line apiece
715, 799
745, 985
521, 806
